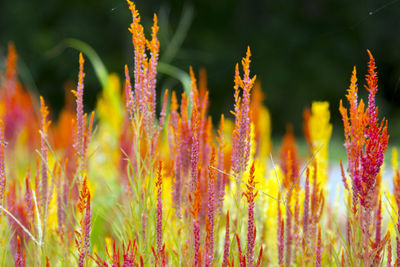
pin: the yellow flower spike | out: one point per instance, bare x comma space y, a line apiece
109, 243
320, 134
109, 106
269, 208
394, 160
110, 112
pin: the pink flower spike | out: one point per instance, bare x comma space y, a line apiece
227, 242
318, 248
2, 163
159, 209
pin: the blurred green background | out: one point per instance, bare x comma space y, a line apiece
302, 50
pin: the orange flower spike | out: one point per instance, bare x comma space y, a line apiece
83, 195
11, 62
195, 129
289, 159
248, 83
195, 202
238, 84
194, 91
44, 111
371, 77
195, 119
306, 127
174, 102
139, 43
184, 107
135, 28
203, 95
154, 44
352, 91
246, 63
194, 210
203, 89
242, 112
251, 193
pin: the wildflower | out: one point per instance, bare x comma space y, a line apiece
366, 138
250, 195
195, 209
280, 233
28, 198
43, 148
366, 141
220, 185
289, 161
78, 144
20, 255
210, 212
320, 133
16, 105
227, 242
11, 68
242, 257
195, 127
143, 100
318, 248
378, 223
389, 255
83, 234
306, 207
241, 133
18, 210
159, 208
2, 163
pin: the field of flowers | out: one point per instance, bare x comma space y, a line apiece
132, 184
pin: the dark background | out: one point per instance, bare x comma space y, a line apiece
302, 50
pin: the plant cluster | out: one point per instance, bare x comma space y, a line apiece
126, 186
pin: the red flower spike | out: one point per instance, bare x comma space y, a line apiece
20, 255
259, 261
